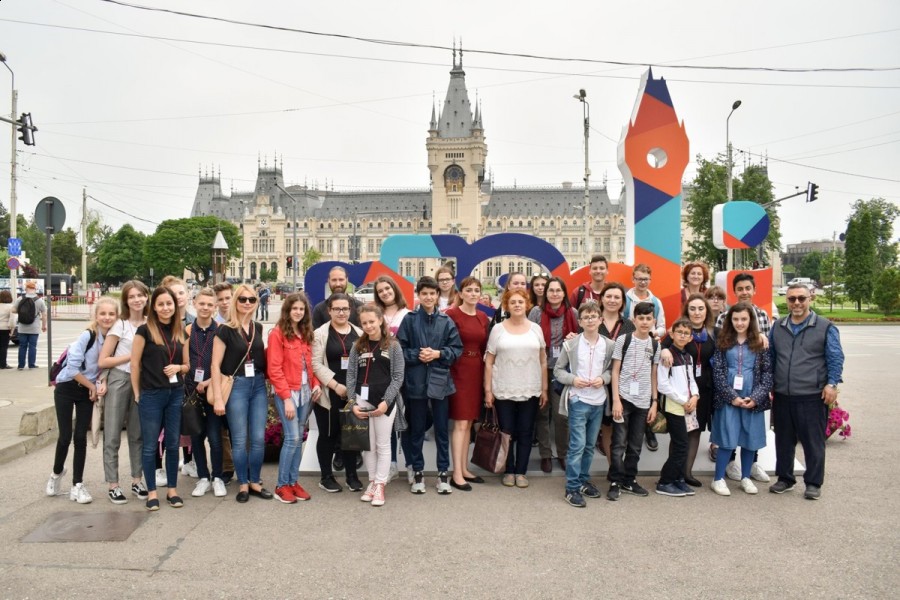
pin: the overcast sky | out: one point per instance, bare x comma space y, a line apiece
133, 118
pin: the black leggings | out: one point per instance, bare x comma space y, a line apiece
71, 396
329, 442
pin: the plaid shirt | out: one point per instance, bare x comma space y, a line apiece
765, 326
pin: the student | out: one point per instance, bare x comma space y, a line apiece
290, 371
744, 287
592, 290
223, 304
430, 345
78, 386
585, 364
374, 377
634, 401
536, 288
119, 409
201, 334
742, 380
447, 296
223, 301
682, 395
159, 361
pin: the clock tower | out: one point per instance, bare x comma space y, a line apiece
456, 159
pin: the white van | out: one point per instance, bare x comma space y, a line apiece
803, 281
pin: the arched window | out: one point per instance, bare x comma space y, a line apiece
512, 267
529, 222
273, 268
520, 222
521, 267
421, 268
490, 269
253, 270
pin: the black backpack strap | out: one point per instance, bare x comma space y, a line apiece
625, 345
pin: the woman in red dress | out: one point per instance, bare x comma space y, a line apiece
468, 376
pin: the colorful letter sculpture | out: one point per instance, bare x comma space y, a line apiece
739, 225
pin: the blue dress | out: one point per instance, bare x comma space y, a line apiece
738, 427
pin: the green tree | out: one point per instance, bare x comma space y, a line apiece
120, 257
883, 214
267, 274
66, 251
811, 266
708, 190
887, 290
310, 257
34, 244
860, 258
832, 272
186, 244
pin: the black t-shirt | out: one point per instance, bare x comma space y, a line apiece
320, 314
336, 347
236, 344
200, 350
156, 356
374, 370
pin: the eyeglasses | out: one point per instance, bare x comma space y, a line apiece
642, 279
589, 317
681, 332
247, 299
341, 310
793, 299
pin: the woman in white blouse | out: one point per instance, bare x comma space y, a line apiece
515, 380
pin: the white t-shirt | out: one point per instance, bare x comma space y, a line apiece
590, 366
637, 365
517, 368
124, 330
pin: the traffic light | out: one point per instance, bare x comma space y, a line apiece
26, 129
812, 192
290, 262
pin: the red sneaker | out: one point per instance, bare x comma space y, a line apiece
285, 494
299, 492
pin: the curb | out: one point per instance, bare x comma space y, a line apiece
26, 444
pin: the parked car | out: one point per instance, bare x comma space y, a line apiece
365, 293
782, 291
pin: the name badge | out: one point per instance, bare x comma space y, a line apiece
366, 355
249, 371
304, 379
738, 382
697, 371
556, 351
634, 388
364, 392
173, 378
345, 362
198, 375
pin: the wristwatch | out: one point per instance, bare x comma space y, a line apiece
833, 386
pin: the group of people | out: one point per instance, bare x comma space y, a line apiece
597, 363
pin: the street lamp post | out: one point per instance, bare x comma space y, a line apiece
729, 195
13, 284
581, 96
294, 235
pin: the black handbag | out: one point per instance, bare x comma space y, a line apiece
192, 418
354, 431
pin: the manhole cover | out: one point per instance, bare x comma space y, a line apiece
4, 403
110, 526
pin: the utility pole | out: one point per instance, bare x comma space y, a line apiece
13, 283
84, 221
581, 96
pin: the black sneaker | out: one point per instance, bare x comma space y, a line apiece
139, 490
330, 485
590, 490
780, 487
652, 444
613, 493
354, 484
813, 492
634, 488
575, 499
338, 462
116, 496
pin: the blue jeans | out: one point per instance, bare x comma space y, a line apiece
246, 411
517, 418
418, 417
160, 409
212, 431
584, 425
28, 344
292, 447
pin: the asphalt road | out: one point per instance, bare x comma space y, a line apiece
494, 541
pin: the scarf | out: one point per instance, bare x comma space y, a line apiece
700, 335
570, 324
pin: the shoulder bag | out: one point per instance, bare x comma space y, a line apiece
491, 445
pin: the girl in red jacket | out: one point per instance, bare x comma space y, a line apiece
289, 358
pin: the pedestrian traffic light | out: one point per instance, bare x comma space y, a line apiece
812, 192
26, 129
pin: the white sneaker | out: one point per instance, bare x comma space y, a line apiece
53, 483
410, 475
720, 487
201, 488
161, 480
393, 472
759, 474
747, 486
733, 471
79, 494
190, 469
418, 484
219, 488
443, 483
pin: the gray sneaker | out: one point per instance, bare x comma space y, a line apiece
574, 498
813, 492
418, 484
780, 487
443, 483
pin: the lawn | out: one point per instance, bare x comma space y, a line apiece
847, 313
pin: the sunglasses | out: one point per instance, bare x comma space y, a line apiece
247, 299
794, 299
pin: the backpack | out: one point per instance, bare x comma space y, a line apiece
60, 363
627, 342
27, 310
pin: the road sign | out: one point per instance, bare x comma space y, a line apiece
50, 215
14, 247
12, 263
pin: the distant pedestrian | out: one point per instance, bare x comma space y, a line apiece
7, 325
264, 294
32, 312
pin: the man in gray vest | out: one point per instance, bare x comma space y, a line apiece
808, 362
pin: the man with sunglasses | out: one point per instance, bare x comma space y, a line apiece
808, 362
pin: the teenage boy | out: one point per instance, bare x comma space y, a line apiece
591, 290
430, 343
585, 364
634, 400
682, 394
744, 287
640, 275
223, 301
201, 334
